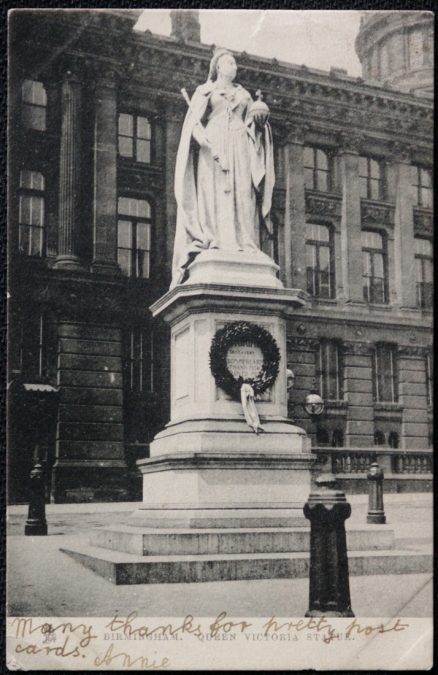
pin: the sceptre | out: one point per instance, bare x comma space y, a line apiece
215, 155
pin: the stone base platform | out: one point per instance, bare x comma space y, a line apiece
135, 555
152, 541
125, 568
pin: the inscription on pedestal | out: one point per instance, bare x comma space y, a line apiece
244, 359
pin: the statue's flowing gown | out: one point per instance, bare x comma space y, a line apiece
220, 208
227, 207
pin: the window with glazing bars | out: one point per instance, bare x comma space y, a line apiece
370, 178
34, 105
422, 184
320, 261
374, 267
31, 217
33, 347
428, 362
134, 237
424, 272
316, 169
139, 352
330, 370
135, 138
385, 373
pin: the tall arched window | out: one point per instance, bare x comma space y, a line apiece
424, 269
34, 103
370, 178
374, 267
322, 437
379, 438
31, 217
385, 373
134, 237
338, 438
320, 261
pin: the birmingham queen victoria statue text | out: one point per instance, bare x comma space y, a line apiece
224, 174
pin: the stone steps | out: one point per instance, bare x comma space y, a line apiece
163, 542
126, 568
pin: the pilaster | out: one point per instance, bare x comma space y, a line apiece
295, 209
412, 394
404, 259
351, 244
105, 175
70, 173
358, 392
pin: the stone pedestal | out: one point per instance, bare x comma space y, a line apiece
208, 468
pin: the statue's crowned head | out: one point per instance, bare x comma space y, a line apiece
221, 57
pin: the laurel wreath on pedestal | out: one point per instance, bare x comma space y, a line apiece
234, 333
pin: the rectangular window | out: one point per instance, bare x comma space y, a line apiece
34, 104
385, 375
135, 138
424, 272
139, 360
370, 178
330, 370
134, 237
374, 268
320, 261
33, 352
428, 362
422, 184
31, 217
316, 169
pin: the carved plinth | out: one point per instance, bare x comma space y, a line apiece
207, 458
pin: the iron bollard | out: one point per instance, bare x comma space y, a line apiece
36, 524
376, 512
329, 587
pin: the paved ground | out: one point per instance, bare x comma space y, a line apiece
42, 581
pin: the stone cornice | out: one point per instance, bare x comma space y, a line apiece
294, 342
413, 351
357, 348
312, 96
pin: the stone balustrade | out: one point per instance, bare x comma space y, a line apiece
404, 469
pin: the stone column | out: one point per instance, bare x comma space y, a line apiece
351, 244
404, 249
358, 391
412, 395
295, 209
70, 173
105, 176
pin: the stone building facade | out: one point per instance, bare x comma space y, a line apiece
95, 116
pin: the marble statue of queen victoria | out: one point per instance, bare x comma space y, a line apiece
224, 174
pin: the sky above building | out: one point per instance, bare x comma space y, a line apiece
316, 38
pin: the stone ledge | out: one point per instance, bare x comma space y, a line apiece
126, 568
226, 460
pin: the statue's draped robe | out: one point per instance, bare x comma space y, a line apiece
217, 208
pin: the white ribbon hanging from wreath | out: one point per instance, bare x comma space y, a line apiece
249, 408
